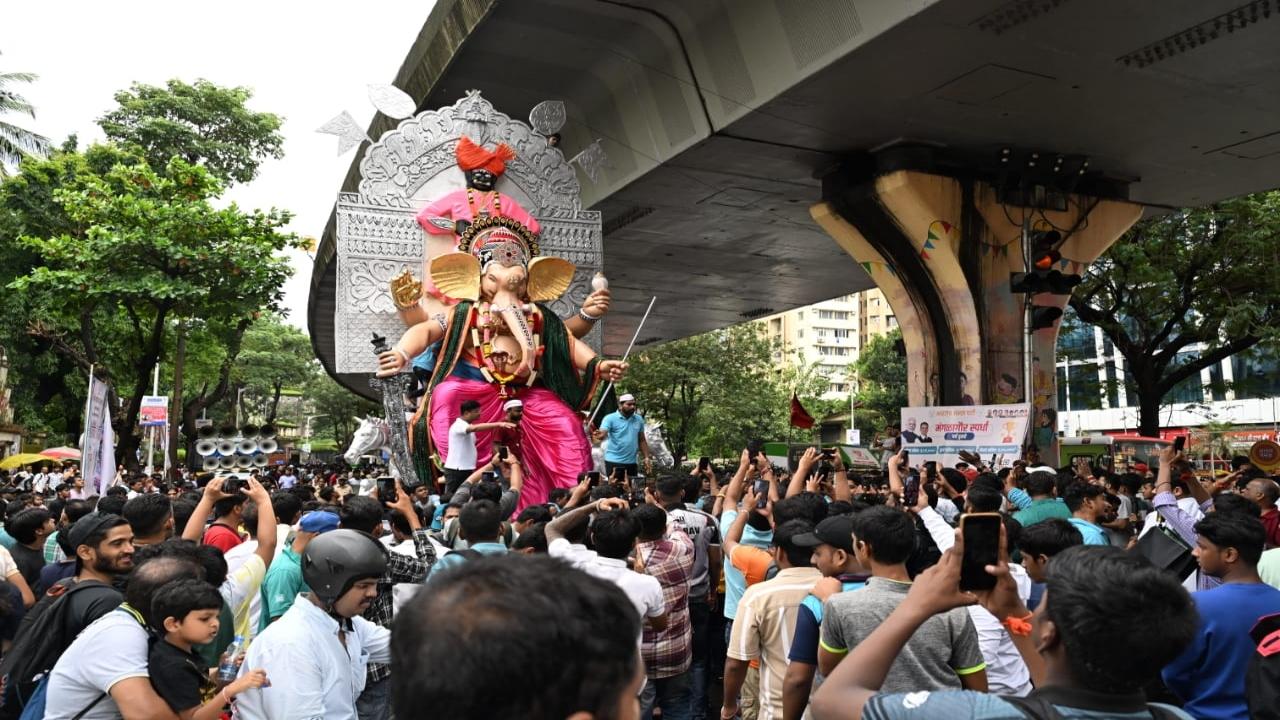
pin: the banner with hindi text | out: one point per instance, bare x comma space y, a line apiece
940, 433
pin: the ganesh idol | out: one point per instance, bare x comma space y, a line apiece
479, 329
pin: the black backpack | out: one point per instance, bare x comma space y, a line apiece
1262, 679
40, 641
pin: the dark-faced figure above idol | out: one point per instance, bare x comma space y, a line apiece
508, 293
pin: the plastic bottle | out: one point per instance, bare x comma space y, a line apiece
229, 668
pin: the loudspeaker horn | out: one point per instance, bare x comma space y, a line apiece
206, 447
244, 461
226, 462
227, 431
226, 446
209, 463
208, 432
268, 445
260, 460
249, 431
247, 446
267, 430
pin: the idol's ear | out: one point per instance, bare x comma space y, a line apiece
549, 277
457, 274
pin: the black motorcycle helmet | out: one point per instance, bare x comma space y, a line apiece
337, 560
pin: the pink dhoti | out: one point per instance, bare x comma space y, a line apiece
554, 448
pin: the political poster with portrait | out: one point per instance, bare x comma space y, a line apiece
154, 411
940, 433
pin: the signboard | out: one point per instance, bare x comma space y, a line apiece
853, 436
154, 411
1265, 455
940, 433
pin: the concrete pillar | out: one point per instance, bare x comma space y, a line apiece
942, 249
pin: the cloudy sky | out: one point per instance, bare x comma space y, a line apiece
304, 61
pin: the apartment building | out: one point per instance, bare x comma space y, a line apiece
829, 334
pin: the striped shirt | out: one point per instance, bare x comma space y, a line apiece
764, 626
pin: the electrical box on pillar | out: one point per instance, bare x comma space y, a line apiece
1041, 277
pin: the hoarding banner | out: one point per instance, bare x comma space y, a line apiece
154, 411
940, 433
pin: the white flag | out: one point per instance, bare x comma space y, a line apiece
98, 455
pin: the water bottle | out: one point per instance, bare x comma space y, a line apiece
228, 669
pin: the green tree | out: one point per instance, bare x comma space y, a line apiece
341, 408
1183, 291
17, 142
274, 356
881, 374
160, 251
202, 123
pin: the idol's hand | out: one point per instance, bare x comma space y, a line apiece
597, 303
405, 290
390, 363
613, 370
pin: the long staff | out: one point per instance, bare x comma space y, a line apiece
627, 354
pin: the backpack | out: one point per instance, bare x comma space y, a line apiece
1262, 679
1038, 708
41, 640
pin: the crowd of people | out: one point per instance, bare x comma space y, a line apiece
749, 591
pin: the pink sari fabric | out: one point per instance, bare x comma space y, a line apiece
555, 448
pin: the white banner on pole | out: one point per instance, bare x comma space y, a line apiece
940, 433
98, 456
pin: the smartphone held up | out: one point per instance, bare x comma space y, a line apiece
981, 533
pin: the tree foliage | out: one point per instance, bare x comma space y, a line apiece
713, 392
105, 252
342, 410
17, 142
274, 356
202, 123
882, 383
1183, 291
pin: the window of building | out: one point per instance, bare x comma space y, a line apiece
1217, 383
833, 315
893, 321
1113, 385
833, 351
842, 332
1085, 392
1190, 390
1255, 375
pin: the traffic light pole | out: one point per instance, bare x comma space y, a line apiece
1028, 332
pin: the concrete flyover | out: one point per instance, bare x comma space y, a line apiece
744, 135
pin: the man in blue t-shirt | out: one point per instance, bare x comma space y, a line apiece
625, 432
1209, 675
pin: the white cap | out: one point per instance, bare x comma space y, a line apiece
627, 398
512, 404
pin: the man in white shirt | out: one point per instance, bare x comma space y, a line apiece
317, 653
461, 458
288, 479
103, 675
613, 533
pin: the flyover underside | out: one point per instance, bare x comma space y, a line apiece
720, 119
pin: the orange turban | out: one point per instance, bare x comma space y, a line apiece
473, 157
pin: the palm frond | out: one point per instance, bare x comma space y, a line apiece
17, 77
16, 142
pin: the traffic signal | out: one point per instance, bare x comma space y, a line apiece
1044, 317
1042, 278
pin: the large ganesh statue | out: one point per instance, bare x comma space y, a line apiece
480, 327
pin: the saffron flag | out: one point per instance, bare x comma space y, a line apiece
799, 416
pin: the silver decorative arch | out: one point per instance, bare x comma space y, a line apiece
378, 237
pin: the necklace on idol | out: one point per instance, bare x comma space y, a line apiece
494, 199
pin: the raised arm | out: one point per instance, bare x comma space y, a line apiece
895, 472
266, 530
195, 524
734, 491
803, 467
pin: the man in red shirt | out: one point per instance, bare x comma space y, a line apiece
1265, 492
224, 532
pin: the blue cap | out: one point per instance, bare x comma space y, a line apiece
318, 521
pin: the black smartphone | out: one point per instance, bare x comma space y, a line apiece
981, 532
618, 474
387, 491
502, 452
704, 462
828, 452
593, 478
911, 490
930, 470
762, 493
1179, 443
754, 446
906, 459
